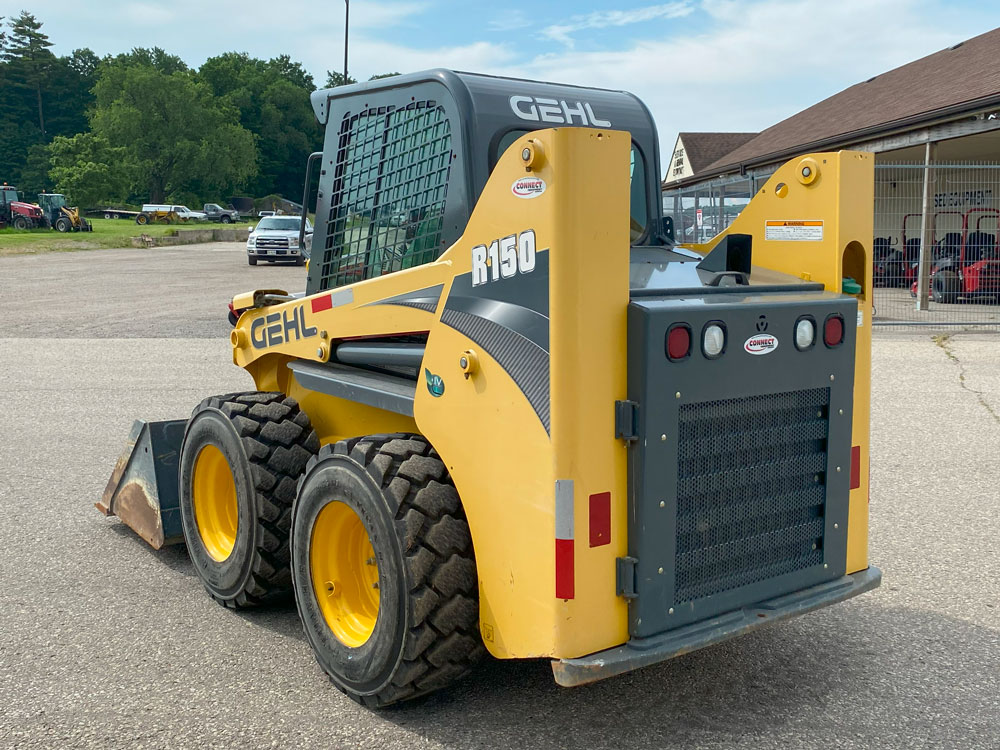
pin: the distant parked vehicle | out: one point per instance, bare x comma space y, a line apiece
166, 213
277, 238
60, 216
16, 213
215, 212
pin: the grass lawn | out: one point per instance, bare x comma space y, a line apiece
107, 233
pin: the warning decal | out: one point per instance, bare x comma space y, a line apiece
794, 231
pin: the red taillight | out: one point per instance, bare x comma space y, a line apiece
678, 341
833, 331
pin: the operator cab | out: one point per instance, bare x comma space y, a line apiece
406, 158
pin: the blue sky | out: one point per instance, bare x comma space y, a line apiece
717, 65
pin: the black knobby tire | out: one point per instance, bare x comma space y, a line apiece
267, 442
63, 224
427, 632
945, 286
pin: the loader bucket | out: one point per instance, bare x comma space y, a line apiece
142, 490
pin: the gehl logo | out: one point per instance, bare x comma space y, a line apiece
279, 328
558, 111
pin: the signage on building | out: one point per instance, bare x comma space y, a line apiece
961, 199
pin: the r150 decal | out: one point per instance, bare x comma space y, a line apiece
504, 258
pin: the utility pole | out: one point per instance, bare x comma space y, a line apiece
347, 16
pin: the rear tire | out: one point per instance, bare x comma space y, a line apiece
945, 287
425, 634
240, 460
109, 215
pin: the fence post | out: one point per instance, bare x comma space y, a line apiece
926, 233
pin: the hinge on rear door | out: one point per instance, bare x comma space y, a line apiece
625, 577
627, 420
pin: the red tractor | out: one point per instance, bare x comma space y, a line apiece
15, 213
967, 266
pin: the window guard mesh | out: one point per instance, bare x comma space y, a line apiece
389, 190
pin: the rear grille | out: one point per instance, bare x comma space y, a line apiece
751, 490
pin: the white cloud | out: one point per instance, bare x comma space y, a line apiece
601, 19
511, 20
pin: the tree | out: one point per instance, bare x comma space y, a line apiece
28, 55
272, 98
176, 136
88, 169
152, 57
84, 63
34, 177
335, 78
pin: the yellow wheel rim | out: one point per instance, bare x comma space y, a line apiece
344, 574
214, 500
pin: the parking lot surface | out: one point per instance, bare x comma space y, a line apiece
107, 643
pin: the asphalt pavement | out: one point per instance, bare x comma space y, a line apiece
107, 643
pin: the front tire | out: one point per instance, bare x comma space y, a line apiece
240, 460
251, 260
20, 222
380, 514
63, 224
226, 220
945, 286
142, 219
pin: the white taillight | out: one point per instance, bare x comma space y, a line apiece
714, 341
805, 333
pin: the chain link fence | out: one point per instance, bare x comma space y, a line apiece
941, 270
939, 267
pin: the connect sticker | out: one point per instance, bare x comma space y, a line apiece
528, 187
762, 343
793, 231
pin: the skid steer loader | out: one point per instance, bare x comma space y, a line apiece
510, 413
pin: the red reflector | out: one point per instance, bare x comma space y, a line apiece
319, 304
564, 569
833, 331
855, 467
600, 519
678, 342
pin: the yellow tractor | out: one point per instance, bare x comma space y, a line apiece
511, 413
59, 215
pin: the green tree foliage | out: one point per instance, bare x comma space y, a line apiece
335, 78
91, 171
176, 135
152, 57
27, 51
272, 98
38, 88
